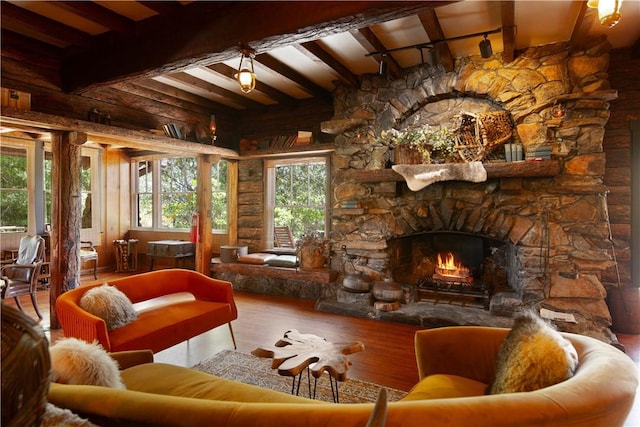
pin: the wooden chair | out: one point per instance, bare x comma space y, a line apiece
89, 253
284, 237
21, 277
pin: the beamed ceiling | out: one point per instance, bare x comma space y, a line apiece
185, 53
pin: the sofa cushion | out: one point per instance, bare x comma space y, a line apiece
162, 326
110, 304
442, 386
533, 356
283, 261
171, 380
255, 258
74, 361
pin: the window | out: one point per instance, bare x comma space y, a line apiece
219, 196
25, 193
297, 196
14, 190
167, 199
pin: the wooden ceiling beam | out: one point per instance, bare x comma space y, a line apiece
179, 94
291, 74
201, 33
432, 26
271, 92
508, 30
371, 43
195, 82
344, 73
16, 18
99, 14
585, 20
201, 105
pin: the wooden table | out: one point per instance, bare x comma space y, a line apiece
296, 352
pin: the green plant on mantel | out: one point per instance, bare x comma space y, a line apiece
435, 144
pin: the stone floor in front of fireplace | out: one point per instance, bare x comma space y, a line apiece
426, 313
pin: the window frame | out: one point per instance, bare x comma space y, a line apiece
270, 190
156, 196
36, 154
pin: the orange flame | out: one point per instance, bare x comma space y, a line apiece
449, 266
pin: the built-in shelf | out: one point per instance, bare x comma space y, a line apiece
525, 169
109, 135
305, 150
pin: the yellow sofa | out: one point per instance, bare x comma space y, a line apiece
201, 303
455, 364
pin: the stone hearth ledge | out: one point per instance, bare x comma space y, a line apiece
420, 176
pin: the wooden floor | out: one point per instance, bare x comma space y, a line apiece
388, 358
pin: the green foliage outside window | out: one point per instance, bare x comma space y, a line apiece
300, 194
14, 197
178, 197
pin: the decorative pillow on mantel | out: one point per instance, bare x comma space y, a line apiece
110, 304
533, 355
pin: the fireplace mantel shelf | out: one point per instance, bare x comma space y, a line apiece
526, 169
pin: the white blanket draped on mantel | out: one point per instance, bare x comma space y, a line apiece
420, 176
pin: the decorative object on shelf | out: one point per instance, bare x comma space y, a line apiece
423, 144
477, 134
513, 152
246, 75
313, 250
212, 128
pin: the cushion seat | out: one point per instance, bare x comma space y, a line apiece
159, 328
441, 386
171, 380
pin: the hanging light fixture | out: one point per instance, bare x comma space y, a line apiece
485, 47
608, 11
246, 75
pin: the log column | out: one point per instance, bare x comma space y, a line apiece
204, 246
66, 215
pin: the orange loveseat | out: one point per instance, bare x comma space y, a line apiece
196, 303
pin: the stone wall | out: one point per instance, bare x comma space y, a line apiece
557, 225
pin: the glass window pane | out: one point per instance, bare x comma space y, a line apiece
145, 210
177, 209
14, 197
300, 196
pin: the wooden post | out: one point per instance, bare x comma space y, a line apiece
66, 216
204, 246
232, 201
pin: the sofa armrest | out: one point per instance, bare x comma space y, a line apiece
80, 324
467, 351
210, 289
127, 359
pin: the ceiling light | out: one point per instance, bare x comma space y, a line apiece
485, 47
608, 11
246, 75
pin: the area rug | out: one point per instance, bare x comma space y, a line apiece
250, 369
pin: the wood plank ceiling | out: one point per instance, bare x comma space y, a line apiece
185, 53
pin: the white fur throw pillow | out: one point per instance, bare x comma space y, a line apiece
74, 361
109, 303
533, 355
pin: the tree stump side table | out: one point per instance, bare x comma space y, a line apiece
296, 352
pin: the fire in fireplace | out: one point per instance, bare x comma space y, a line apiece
450, 267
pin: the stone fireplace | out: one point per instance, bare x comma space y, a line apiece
545, 221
